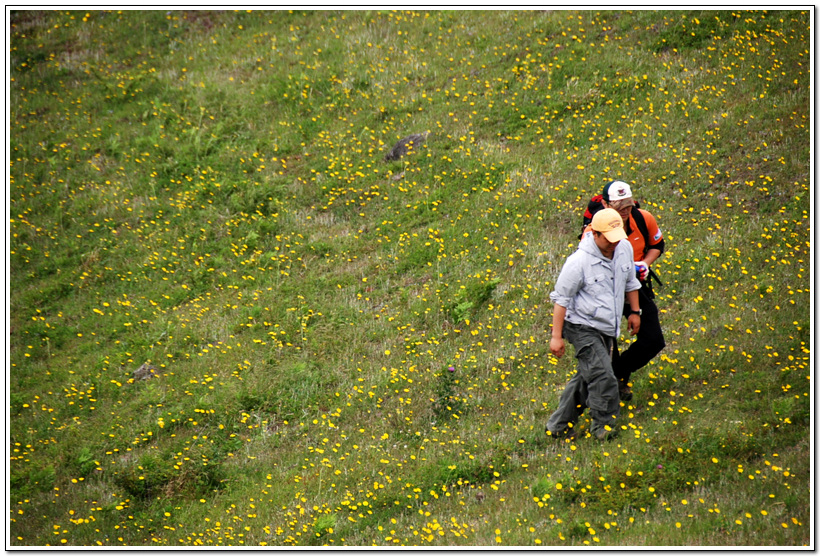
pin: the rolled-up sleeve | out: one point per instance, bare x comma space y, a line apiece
632, 283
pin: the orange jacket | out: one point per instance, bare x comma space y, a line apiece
636, 238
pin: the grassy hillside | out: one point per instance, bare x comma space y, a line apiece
354, 351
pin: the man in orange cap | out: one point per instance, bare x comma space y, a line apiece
589, 300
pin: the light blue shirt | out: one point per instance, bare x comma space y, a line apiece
592, 287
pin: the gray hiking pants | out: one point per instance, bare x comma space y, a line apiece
594, 384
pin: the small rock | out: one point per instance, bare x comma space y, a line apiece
145, 372
404, 145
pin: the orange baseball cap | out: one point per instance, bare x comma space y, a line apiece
609, 222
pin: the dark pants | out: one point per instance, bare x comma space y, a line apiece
593, 385
649, 340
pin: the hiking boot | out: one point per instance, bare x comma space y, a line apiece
554, 435
624, 391
566, 434
603, 435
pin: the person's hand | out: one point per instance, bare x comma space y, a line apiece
557, 347
634, 322
642, 270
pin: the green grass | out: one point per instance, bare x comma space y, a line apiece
207, 192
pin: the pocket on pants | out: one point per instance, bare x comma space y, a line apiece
595, 368
603, 395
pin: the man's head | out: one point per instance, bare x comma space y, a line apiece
608, 222
618, 195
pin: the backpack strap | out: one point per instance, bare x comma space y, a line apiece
640, 221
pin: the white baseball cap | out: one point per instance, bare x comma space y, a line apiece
616, 191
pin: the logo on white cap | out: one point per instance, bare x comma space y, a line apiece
619, 190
